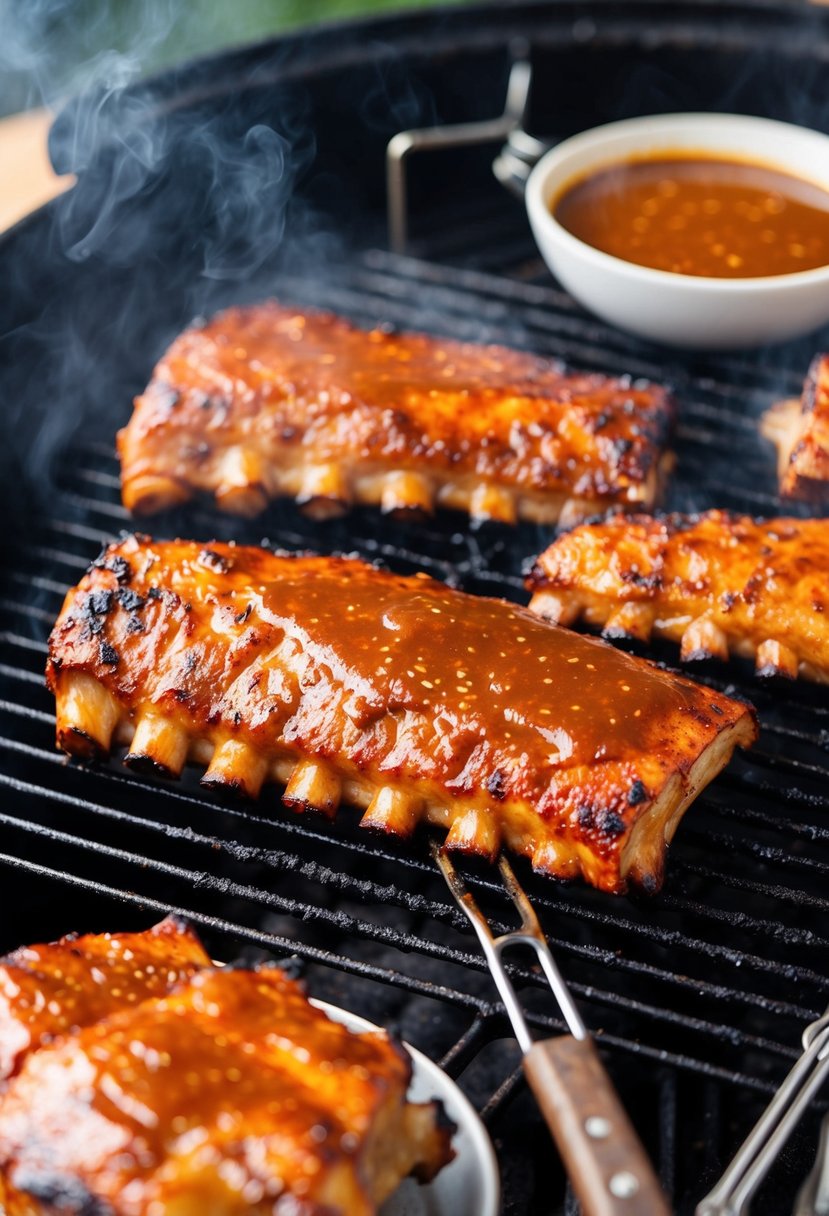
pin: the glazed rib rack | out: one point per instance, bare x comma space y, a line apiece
698, 995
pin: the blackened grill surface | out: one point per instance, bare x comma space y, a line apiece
698, 996
712, 980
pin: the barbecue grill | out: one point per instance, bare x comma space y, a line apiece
261, 172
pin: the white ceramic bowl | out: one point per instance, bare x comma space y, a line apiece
682, 310
469, 1185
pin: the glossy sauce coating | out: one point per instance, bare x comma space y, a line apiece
800, 430
284, 390
754, 587
229, 1096
48, 990
700, 215
464, 700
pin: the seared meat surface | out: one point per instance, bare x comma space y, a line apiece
715, 583
800, 431
229, 1095
268, 401
49, 990
392, 693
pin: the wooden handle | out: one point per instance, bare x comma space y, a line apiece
606, 1163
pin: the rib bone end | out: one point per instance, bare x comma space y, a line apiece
493, 502
703, 640
475, 831
247, 501
550, 858
393, 811
87, 715
558, 609
775, 659
236, 768
159, 746
242, 483
408, 495
630, 621
151, 492
325, 493
313, 786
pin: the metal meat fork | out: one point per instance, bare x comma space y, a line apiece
607, 1165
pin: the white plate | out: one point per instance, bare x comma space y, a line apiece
469, 1185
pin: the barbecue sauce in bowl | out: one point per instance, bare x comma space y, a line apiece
695, 214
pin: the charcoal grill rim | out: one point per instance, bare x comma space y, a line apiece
431, 31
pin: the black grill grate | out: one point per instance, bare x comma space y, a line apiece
709, 983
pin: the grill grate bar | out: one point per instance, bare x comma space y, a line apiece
444, 912
293, 947
66, 527
772, 821
39, 582
271, 941
382, 894
29, 611
476, 283
49, 554
783, 894
20, 673
786, 763
26, 711
765, 852
10, 638
404, 941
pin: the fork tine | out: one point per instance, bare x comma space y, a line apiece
529, 934
529, 920
574, 1093
489, 944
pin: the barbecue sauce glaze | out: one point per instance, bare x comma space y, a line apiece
561, 742
700, 215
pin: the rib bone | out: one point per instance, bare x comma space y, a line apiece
493, 502
313, 785
631, 620
394, 811
560, 610
151, 492
703, 640
475, 831
236, 766
325, 493
242, 483
775, 659
407, 494
87, 718
158, 745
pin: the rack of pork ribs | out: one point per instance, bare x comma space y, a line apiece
269, 401
397, 695
135, 1076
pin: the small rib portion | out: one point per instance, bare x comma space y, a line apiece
152, 1081
800, 432
716, 584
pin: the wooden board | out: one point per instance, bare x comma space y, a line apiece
26, 176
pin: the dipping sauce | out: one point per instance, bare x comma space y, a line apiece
699, 215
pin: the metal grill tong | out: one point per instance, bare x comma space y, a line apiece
732, 1194
606, 1163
